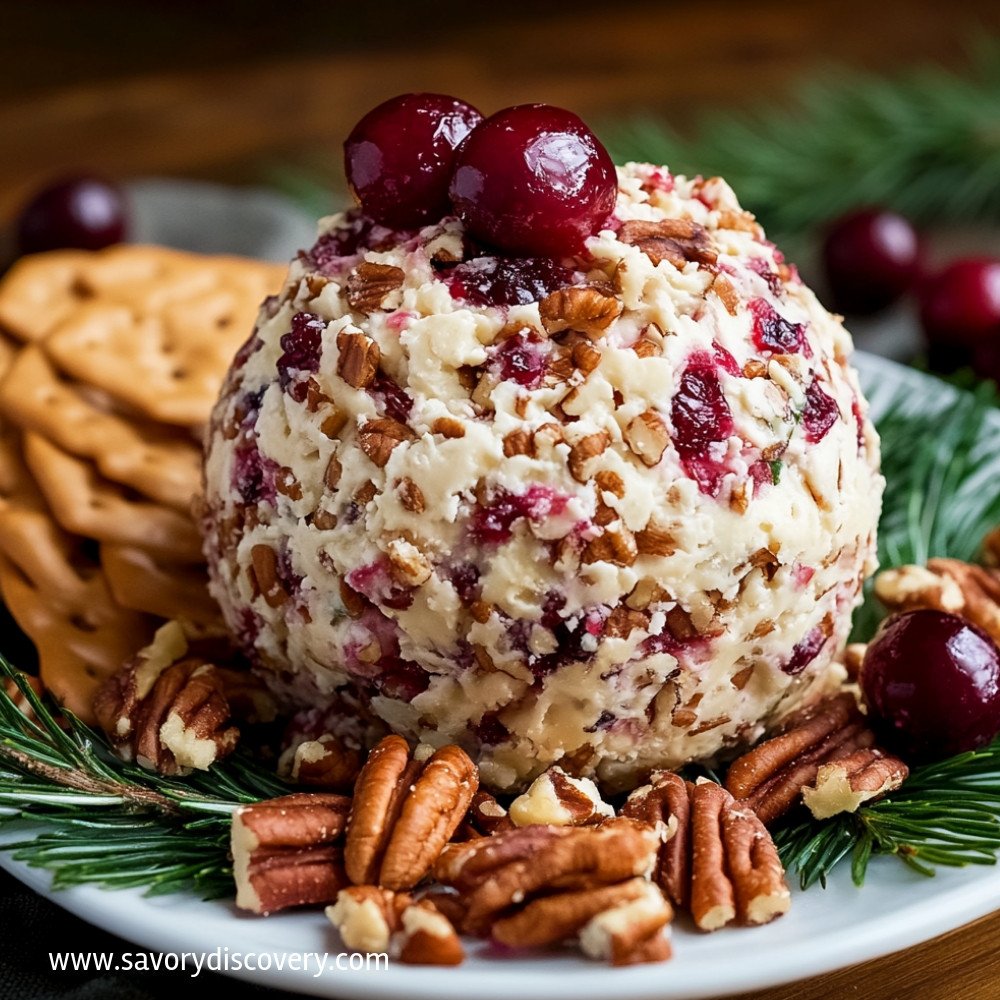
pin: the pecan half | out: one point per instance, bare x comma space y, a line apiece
358, 359
167, 710
769, 779
369, 284
845, 785
664, 804
405, 811
945, 585
556, 798
326, 762
379, 436
372, 919
678, 241
736, 873
286, 851
583, 308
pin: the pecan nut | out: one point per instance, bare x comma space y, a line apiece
583, 308
736, 873
404, 812
679, 241
769, 779
287, 851
379, 436
359, 356
326, 762
486, 817
945, 585
369, 285
633, 931
554, 798
372, 919
647, 437
664, 804
845, 785
167, 710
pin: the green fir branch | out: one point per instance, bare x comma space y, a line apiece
926, 143
90, 817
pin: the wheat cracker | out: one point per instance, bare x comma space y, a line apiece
85, 504
143, 582
163, 464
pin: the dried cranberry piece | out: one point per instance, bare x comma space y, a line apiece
701, 417
520, 359
805, 651
302, 347
492, 523
490, 730
506, 281
401, 679
396, 402
820, 413
726, 361
772, 332
464, 578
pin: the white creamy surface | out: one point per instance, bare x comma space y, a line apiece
657, 657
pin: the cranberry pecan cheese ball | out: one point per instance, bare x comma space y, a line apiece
610, 508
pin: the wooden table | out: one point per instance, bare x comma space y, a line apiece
221, 90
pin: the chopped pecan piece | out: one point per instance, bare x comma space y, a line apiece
632, 930
410, 495
373, 919
405, 811
583, 455
664, 804
844, 785
369, 284
265, 576
678, 241
167, 710
618, 547
736, 873
557, 799
286, 851
583, 308
359, 356
647, 436
769, 779
325, 762
486, 816
448, 427
379, 436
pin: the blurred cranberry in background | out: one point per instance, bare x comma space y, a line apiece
82, 212
871, 257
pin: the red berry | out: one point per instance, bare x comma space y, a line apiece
533, 179
701, 418
85, 213
933, 681
961, 304
398, 158
871, 258
819, 414
505, 281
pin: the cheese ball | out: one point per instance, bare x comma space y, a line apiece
611, 511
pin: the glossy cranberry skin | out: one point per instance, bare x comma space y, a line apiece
533, 179
933, 682
701, 417
871, 257
506, 281
85, 213
398, 158
819, 414
961, 304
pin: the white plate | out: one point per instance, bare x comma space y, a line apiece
826, 929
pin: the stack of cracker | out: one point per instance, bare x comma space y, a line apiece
110, 363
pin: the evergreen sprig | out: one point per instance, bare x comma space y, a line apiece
90, 817
926, 143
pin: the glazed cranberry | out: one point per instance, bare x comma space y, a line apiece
701, 417
87, 213
398, 158
505, 281
933, 681
871, 257
805, 651
533, 179
772, 332
961, 304
302, 347
820, 413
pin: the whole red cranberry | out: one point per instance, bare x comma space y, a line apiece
84, 212
534, 180
961, 304
932, 681
398, 158
871, 257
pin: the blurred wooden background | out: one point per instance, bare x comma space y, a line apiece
228, 89
223, 89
